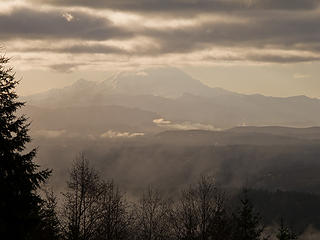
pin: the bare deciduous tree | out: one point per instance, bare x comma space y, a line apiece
198, 213
82, 208
115, 217
93, 209
152, 216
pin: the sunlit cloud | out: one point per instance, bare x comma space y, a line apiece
115, 134
68, 16
183, 125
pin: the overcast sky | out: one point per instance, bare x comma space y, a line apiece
249, 46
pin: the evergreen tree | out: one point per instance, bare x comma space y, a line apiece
19, 175
247, 224
284, 233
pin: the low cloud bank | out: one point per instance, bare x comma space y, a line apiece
49, 133
183, 125
310, 234
115, 134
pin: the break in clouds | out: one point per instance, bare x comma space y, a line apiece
209, 31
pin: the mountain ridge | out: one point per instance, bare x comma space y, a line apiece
175, 96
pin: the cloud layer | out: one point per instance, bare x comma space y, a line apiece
187, 5
27, 23
206, 31
184, 125
115, 134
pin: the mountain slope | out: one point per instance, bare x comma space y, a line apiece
175, 96
241, 136
91, 120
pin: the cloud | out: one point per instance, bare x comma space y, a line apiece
26, 23
187, 6
64, 67
279, 56
115, 134
276, 58
161, 121
184, 125
49, 133
78, 48
68, 17
254, 25
267, 30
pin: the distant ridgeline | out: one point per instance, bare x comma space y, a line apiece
174, 95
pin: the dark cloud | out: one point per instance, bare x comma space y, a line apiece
264, 58
65, 67
274, 31
275, 58
260, 29
187, 6
79, 49
92, 48
32, 24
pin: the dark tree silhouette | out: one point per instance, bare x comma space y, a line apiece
284, 233
81, 208
19, 175
200, 212
185, 218
246, 221
49, 228
93, 209
115, 219
152, 216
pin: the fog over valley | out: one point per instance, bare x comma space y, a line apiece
138, 130
139, 122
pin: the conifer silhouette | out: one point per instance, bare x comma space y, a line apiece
19, 175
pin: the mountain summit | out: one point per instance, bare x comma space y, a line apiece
164, 82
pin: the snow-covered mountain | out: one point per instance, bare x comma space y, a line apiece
175, 96
163, 82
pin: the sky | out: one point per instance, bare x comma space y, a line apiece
271, 47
